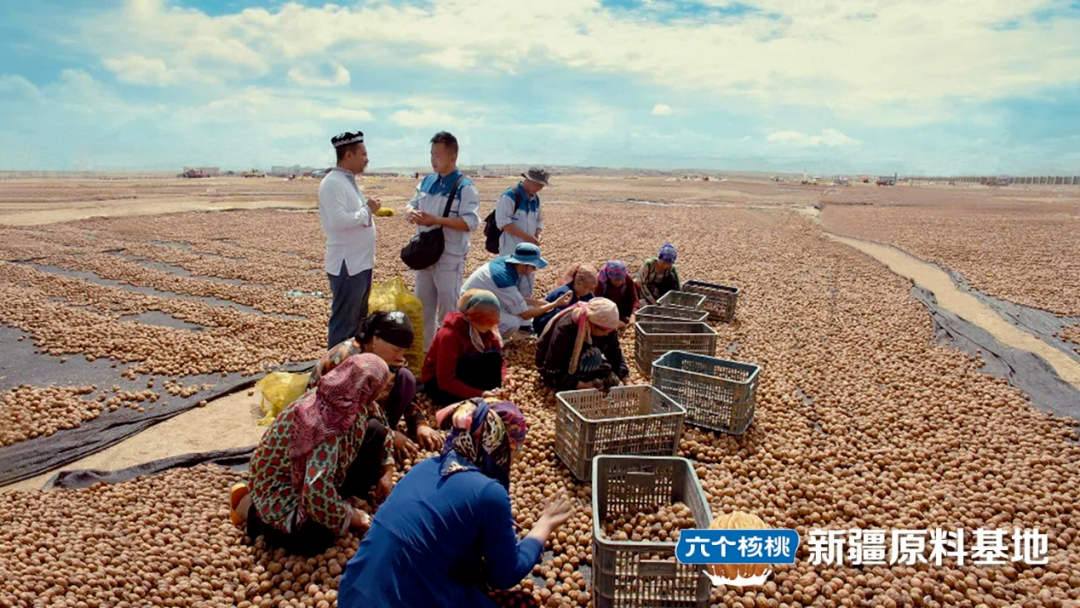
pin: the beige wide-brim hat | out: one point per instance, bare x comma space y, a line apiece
538, 175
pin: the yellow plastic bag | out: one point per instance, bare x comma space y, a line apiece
279, 389
391, 295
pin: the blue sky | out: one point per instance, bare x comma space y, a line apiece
914, 86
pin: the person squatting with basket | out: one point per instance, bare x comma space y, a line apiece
466, 358
388, 335
579, 281
615, 283
658, 275
580, 349
501, 277
313, 457
446, 536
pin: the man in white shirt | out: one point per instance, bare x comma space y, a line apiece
518, 215
439, 286
348, 222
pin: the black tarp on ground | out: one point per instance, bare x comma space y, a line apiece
235, 459
1032, 320
20, 364
1024, 370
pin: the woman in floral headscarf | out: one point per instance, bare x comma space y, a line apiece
466, 359
579, 348
447, 532
615, 283
658, 275
308, 462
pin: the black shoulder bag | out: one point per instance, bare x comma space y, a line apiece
425, 249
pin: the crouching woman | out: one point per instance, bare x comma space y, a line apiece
446, 537
308, 462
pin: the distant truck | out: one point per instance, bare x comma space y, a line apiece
886, 180
193, 173
841, 180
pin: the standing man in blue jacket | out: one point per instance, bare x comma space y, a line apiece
439, 286
518, 215
348, 222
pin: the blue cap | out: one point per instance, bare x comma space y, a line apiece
528, 254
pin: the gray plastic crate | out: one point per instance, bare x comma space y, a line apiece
653, 339
682, 299
720, 300
628, 574
718, 394
666, 314
629, 420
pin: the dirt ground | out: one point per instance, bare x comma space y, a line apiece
861, 421
51, 205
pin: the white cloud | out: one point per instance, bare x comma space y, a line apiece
661, 110
14, 86
330, 75
346, 114
830, 138
136, 69
422, 118
851, 58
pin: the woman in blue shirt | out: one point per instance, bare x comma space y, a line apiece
580, 282
449, 520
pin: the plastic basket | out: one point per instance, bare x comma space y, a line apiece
718, 394
720, 300
665, 314
627, 574
652, 339
681, 299
630, 420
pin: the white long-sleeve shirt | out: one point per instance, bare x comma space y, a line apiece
430, 197
507, 212
347, 223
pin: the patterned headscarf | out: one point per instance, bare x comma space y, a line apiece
599, 312
480, 306
667, 253
339, 399
484, 434
615, 269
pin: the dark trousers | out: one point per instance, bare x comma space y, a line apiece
482, 371
311, 537
350, 304
665, 285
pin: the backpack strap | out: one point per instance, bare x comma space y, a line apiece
451, 196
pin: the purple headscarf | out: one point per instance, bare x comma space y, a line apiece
667, 253
615, 269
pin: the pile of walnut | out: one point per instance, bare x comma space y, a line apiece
861, 421
662, 524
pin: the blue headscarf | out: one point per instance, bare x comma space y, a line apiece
483, 437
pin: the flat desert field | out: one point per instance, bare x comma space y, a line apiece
123, 298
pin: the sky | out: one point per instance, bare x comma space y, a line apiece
919, 87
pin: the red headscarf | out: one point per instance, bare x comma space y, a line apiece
341, 396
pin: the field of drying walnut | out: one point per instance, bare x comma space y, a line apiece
862, 422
